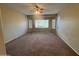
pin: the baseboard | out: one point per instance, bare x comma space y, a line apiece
62, 37
15, 37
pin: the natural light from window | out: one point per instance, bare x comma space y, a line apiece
41, 23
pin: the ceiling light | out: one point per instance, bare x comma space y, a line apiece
37, 13
37, 9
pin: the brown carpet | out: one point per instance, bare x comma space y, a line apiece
39, 44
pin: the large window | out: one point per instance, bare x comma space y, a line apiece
41, 23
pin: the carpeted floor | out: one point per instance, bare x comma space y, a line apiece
39, 44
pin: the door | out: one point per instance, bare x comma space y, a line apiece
2, 45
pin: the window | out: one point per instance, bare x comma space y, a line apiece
41, 23
30, 23
53, 23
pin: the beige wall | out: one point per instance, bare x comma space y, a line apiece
14, 24
2, 46
68, 26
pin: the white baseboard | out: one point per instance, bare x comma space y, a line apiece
14, 37
62, 37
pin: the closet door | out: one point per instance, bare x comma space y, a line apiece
2, 45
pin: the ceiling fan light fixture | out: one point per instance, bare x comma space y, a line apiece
37, 12
37, 9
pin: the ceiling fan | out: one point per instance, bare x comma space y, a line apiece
37, 9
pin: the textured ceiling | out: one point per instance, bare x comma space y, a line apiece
27, 8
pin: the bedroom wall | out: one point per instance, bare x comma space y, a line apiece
68, 26
14, 24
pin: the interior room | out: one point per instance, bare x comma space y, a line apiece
39, 29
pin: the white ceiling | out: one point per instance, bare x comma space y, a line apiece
26, 8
